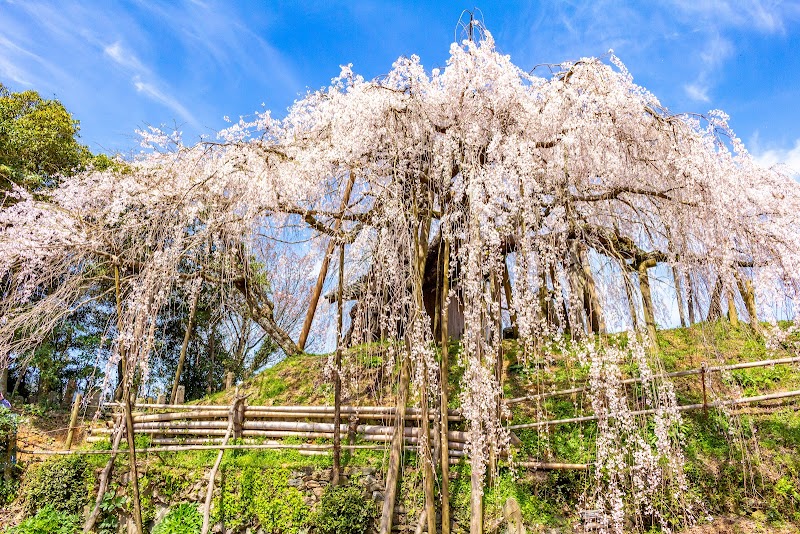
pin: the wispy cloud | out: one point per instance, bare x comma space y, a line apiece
151, 91
765, 16
122, 57
789, 158
696, 91
145, 81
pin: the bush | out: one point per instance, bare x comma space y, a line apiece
343, 510
261, 497
63, 483
48, 521
184, 518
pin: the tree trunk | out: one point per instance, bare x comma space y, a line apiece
715, 302
690, 299
733, 317
185, 344
591, 297
647, 298
632, 308
749, 298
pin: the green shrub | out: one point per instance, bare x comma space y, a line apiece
343, 510
48, 521
280, 509
260, 496
61, 482
184, 518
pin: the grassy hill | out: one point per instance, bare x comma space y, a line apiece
743, 464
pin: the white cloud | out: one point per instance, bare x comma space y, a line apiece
156, 94
766, 16
697, 91
787, 157
123, 58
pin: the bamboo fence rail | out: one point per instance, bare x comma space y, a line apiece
675, 374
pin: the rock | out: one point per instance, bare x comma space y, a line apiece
377, 496
295, 482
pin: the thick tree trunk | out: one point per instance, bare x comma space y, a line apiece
185, 344
733, 317
396, 452
690, 293
262, 312
749, 298
647, 298
715, 302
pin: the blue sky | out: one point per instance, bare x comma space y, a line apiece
123, 65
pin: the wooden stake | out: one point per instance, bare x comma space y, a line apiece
185, 344
444, 374
213, 474
337, 385
73, 420
105, 476
396, 452
323, 271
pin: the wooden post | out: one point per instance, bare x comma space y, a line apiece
679, 293
69, 392
703, 381
337, 384
185, 344
73, 420
396, 452
180, 394
444, 373
229, 380
323, 271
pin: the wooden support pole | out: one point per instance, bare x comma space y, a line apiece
676, 278
185, 345
337, 364
73, 420
444, 375
105, 477
323, 271
213, 474
396, 451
